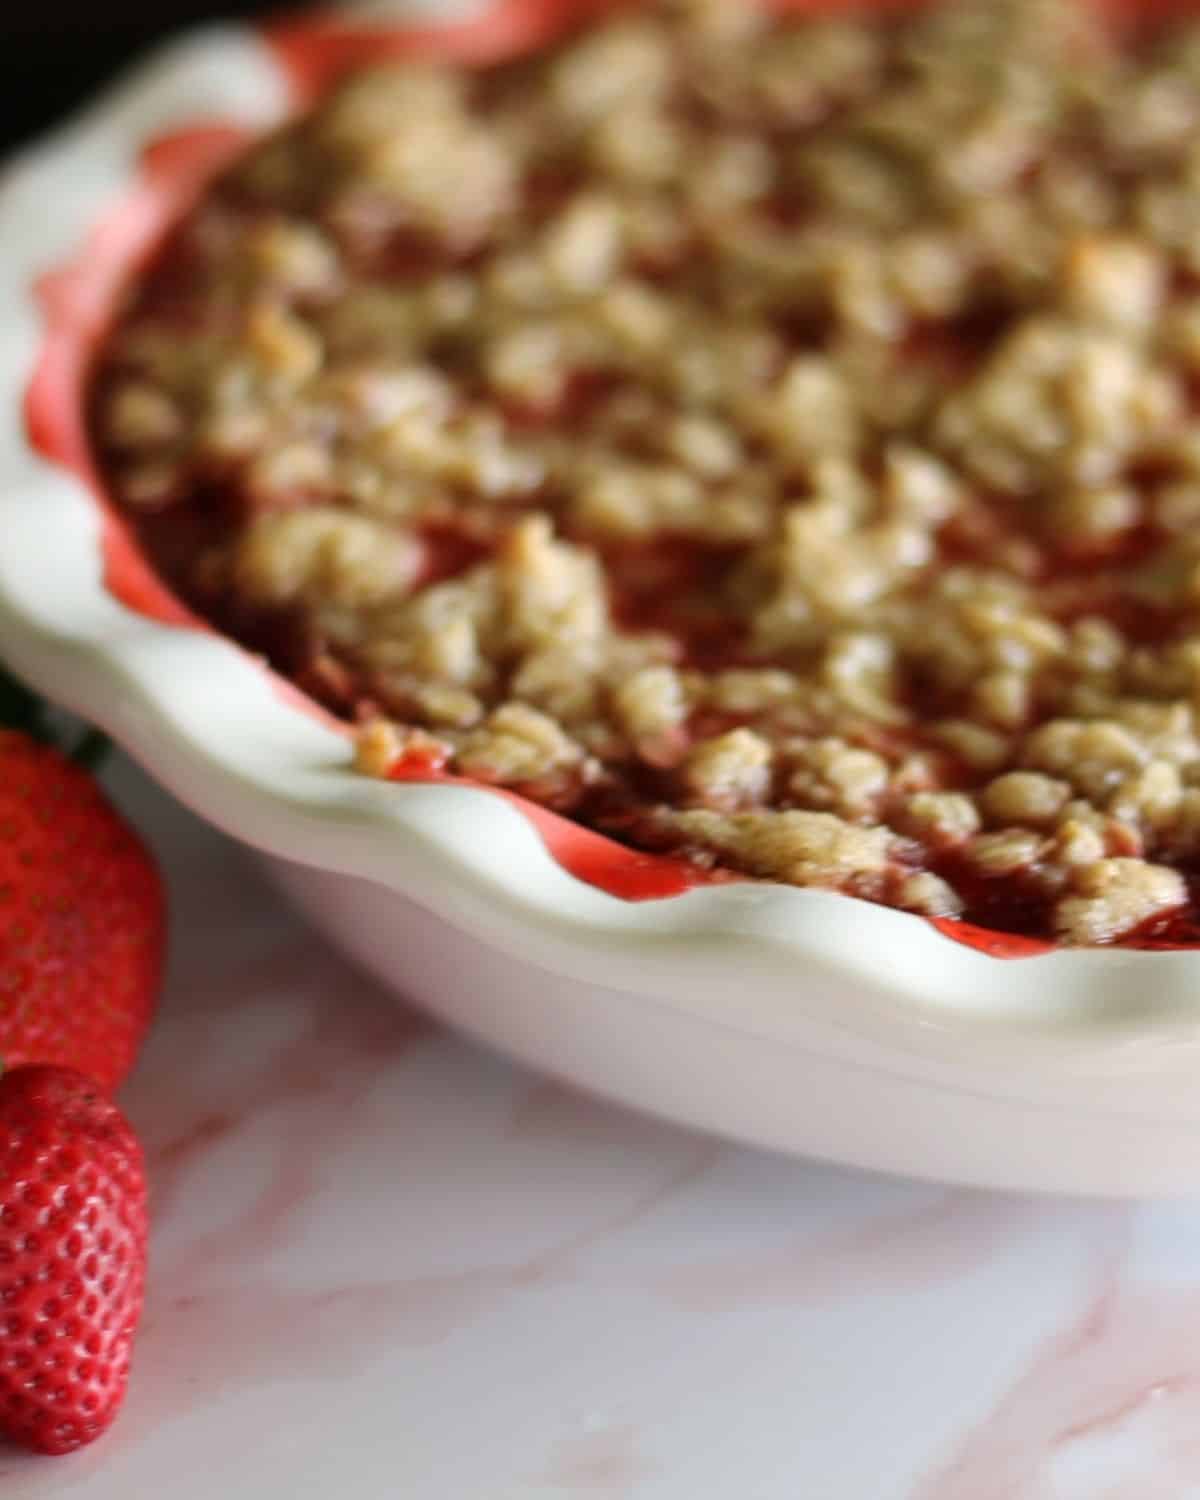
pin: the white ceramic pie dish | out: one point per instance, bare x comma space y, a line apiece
800, 1020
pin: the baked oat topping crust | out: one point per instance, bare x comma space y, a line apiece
768, 440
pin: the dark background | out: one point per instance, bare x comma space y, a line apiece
54, 53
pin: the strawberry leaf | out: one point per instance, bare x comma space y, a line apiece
19, 707
92, 749
22, 709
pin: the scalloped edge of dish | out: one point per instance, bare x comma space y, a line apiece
212, 725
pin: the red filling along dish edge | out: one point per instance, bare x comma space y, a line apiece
1009, 821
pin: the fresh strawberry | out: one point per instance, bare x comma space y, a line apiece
82, 920
72, 1257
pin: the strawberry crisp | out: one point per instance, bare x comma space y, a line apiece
765, 439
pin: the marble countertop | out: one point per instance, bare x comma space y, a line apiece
387, 1264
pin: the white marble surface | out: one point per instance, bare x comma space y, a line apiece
387, 1265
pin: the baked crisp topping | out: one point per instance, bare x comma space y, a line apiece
766, 440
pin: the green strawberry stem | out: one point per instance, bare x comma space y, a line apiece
19, 708
91, 750
22, 709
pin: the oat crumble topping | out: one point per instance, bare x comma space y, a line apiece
770, 441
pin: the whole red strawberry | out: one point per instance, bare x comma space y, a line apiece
72, 1257
82, 921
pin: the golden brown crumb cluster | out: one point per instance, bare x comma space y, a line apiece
767, 440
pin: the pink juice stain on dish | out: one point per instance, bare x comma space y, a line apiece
78, 302
990, 941
625, 873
